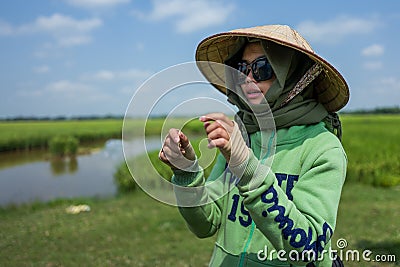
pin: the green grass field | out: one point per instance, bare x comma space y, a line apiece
372, 146
26, 135
135, 230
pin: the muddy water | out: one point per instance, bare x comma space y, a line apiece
32, 176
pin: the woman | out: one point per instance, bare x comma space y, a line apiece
278, 215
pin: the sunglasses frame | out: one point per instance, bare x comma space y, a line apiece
252, 66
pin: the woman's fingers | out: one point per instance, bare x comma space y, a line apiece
218, 142
172, 141
215, 117
211, 126
213, 121
219, 117
184, 141
176, 146
218, 132
170, 146
173, 134
163, 157
216, 126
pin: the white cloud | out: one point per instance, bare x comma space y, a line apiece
74, 40
337, 29
108, 75
67, 97
373, 50
384, 90
67, 87
103, 75
41, 69
94, 4
189, 16
127, 90
134, 74
392, 84
373, 65
66, 30
58, 22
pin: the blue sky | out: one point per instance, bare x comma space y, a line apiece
88, 57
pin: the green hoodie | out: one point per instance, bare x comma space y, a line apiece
292, 211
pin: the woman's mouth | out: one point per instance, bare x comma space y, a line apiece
251, 94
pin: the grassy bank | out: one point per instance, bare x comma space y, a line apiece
27, 135
131, 230
136, 230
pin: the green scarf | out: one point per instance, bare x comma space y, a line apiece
289, 66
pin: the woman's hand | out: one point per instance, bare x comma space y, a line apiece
177, 152
218, 129
225, 134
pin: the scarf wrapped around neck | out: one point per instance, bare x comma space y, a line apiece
289, 66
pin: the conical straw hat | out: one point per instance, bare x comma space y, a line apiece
330, 86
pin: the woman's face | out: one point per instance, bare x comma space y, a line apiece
253, 90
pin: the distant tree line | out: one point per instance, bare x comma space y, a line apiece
378, 110
62, 118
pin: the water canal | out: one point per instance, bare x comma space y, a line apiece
31, 176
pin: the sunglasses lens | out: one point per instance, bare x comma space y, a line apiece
242, 68
263, 71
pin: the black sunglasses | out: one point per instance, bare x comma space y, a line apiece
260, 67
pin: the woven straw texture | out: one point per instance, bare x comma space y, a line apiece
330, 87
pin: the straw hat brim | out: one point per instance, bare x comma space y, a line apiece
331, 88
